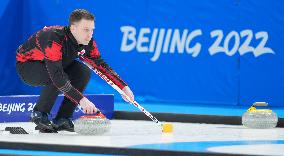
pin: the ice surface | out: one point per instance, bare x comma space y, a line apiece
124, 133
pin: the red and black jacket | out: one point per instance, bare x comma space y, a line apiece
57, 48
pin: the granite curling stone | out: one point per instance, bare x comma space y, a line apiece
259, 118
92, 125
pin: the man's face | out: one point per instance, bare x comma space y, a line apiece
83, 31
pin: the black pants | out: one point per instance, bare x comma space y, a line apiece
35, 74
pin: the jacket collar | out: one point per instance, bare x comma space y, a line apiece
70, 35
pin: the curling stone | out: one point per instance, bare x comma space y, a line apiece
259, 118
92, 125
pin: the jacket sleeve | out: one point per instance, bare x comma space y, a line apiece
53, 61
94, 58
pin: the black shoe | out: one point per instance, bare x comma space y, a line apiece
43, 130
42, 122
64, 124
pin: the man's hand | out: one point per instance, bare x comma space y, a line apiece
128, 92
88, 106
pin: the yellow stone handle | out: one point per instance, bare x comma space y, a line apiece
252, 109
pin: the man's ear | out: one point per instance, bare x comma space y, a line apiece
72, 27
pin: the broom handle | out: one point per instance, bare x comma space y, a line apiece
133, 102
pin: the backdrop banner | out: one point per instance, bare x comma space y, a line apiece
18, 108
192, 52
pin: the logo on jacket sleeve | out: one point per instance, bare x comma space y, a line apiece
82, 52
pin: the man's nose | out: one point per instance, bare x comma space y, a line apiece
90, 35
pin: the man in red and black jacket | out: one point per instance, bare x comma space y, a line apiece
48, 58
